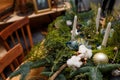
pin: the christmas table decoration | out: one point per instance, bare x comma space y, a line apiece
79, 57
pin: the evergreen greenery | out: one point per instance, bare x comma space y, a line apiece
95, 73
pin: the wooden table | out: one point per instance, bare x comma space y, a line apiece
34, 73
15, 17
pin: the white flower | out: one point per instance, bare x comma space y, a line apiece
81, 55
78, 64
74, 61
88, 53
83, 50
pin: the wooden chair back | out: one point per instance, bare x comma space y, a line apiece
17, 32
8, 59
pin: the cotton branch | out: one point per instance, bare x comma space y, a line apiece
57, 72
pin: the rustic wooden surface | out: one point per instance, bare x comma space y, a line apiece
34, 73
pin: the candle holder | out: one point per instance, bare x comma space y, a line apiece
60, 3
24, 8
53, 4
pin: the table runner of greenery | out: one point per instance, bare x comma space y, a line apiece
53, 51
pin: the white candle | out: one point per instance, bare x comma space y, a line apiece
106, 35
74, 28
98, 19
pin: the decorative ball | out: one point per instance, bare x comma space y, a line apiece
100, 58
115, 48
69, 22
72, 44
116, 72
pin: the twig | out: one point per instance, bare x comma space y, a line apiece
116, 53
57, 72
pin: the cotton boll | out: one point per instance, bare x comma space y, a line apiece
81, 55
82, 49
74, 61
75, 58
88, 53
69, 63
78, 64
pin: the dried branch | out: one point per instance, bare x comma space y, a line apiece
57, 72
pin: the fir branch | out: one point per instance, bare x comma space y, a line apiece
86, 15
108, 67
95, 74
80, 70
48, 74
25, 68
39, 63
61, 77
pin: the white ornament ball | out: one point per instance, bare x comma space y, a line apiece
69, 22
100, 58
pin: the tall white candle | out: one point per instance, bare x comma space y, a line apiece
106, 35
98, 19
74, 28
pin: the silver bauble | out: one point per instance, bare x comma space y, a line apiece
100, 58
116, 72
